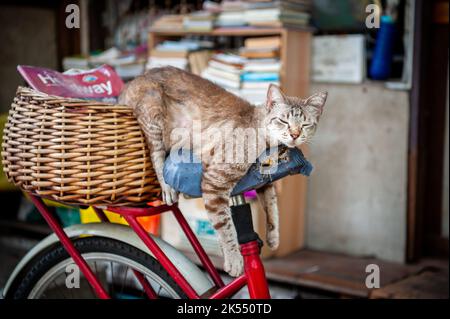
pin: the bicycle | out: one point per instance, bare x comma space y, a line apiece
118, 261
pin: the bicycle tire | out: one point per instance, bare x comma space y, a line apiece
56, 254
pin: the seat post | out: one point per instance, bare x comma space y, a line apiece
242, 219
250, 245
237, 200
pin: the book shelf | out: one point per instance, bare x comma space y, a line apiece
241, 31
294, 79
294, 55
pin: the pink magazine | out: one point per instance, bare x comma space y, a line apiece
101, 83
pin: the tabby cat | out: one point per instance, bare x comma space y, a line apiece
168, 99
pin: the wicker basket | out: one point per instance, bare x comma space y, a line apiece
77, 151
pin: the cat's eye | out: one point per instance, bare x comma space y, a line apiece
278, 122
308, 127
281, 122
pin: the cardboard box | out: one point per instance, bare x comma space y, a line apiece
339, 58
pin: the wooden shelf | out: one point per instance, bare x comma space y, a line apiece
241, 31
295, 50
340, 274
232, 32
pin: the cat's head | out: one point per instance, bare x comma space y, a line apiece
290, 120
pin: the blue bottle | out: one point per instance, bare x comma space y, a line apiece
380, 68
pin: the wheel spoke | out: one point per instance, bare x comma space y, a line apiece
124, 280
58, 287
112, 279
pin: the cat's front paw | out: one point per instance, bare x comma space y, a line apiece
234, 263
273, 239
169, 195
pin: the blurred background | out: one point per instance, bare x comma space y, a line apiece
379, 191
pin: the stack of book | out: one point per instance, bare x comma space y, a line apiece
199, 21
281, 13
225, 69
263, 48
168, 53
127, 64
75, 62
175, 53
128, 71
232, 14
246, 76
261, 13
169, 22
262, 67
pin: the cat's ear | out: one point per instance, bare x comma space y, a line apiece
274, 96
315, 103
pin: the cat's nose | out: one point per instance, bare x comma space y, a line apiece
295, 135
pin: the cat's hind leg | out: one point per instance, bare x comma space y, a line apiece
150, 112
217, 184
268, 198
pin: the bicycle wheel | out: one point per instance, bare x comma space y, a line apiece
112, 261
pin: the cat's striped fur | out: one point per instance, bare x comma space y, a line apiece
166, 99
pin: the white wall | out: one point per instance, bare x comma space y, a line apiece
357, 192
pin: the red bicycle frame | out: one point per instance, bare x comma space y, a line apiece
254, 275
